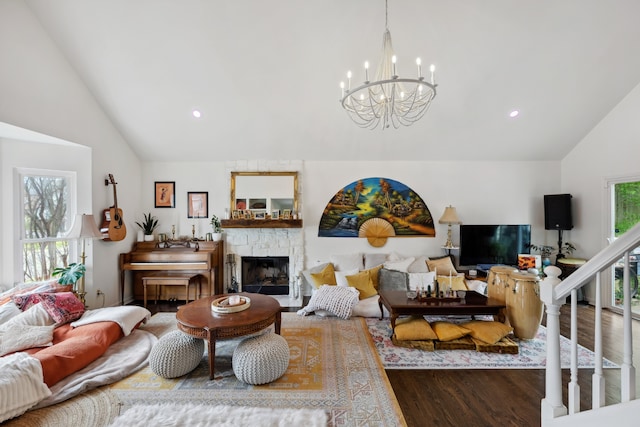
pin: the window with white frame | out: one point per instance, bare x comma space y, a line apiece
47, 202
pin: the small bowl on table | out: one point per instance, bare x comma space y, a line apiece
411, 294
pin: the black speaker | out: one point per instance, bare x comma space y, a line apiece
557, 212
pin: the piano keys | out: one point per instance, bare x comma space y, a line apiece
202, 257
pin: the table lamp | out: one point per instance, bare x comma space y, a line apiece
449, 217
84, 228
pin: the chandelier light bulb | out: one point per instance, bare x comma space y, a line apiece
349, 79
419, 64
366, 71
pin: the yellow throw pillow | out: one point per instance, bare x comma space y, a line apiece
449, 331
362, 282
442, 266
373, 273
457, 283
414, 329
326, 277
487, 331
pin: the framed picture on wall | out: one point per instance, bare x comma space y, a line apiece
275, 214
197, 204
165, 194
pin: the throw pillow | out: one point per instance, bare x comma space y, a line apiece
457, 283
8, 311
339, 300
347, 261
401, 265
25, 301
369, 307
362, 282
393, 280
414, 329
441, 265
325, 277
341, 276
36, 315
374, 260
63, 307
21, 337
487, 331
419, 265
374, 273
449, 331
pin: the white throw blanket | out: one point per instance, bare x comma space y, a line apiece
21, 384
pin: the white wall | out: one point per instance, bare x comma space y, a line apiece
42, 93
611, 149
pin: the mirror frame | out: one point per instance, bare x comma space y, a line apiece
232, 200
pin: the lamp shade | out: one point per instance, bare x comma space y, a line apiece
450, 216
85, 227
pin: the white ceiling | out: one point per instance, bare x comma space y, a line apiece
265, 73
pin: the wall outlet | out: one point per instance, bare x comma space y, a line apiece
99, 292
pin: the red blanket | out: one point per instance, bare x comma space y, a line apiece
75, 348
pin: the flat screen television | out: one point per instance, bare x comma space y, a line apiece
493, 244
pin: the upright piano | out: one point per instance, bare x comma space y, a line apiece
174, 257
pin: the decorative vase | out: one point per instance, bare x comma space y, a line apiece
546, 261
216, 237
149, 237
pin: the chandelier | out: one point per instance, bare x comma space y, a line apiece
389, 99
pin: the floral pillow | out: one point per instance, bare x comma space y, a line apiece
63, 307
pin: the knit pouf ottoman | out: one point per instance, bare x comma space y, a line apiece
175, 355
261, 359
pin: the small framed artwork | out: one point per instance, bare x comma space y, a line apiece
198, 204
275, 214
260, 215
165, 194
286, 214
236, 214
247, 214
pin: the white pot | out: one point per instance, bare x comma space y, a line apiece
216, 237
149, 237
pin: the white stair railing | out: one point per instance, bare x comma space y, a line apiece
553, 293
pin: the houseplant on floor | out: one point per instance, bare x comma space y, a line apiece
149, 224
217, 228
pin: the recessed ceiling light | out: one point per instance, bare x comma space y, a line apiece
196, 114
514, 113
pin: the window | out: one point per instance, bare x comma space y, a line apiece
47, 201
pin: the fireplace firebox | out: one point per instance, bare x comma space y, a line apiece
267, 275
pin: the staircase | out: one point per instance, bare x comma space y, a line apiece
553, 292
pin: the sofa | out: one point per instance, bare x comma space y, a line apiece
366, 273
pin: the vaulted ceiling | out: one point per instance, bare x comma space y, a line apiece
265, 73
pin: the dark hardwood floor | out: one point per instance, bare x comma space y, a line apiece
506, 397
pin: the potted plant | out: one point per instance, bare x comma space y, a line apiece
149, 224
70, 274
545, 253
217, 228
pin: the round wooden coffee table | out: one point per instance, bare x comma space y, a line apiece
198, 320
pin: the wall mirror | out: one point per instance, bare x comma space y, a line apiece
264, 192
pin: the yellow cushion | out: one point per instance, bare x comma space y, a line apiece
362, 282
449, 331
373, 273
326, 277
487, 331
457, 283
414, 329
442, 266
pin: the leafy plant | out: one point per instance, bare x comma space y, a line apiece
149, 224
70, 274
567, 249
215, 223
545, 250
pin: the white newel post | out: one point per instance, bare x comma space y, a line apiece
552, 406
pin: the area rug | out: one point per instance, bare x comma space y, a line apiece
220, 416
531, 354
333, 367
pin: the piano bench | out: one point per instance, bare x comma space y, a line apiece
164, 279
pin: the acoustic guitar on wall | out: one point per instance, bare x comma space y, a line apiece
117, 229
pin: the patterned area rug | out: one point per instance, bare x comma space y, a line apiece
334, 366
531, 354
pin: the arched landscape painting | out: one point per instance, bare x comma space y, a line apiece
376, 207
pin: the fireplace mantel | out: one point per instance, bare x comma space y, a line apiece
261, 223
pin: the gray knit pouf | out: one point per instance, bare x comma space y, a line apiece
175, 355
261, 359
